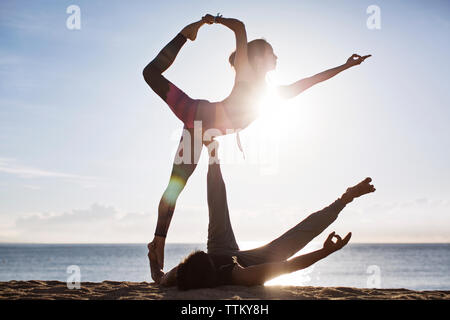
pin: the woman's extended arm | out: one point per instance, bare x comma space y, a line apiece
258, 274
241, 63
299, 86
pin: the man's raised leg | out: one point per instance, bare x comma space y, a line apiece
299, 236
221, 238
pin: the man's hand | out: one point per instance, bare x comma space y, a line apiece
331, 246
356, 59
170, 278
163, 280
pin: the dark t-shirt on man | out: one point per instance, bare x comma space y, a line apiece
224, 265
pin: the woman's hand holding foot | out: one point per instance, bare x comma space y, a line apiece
191, 30
207, 18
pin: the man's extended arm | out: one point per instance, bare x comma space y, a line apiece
258, 274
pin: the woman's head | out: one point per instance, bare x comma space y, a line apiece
260, 55
196, 271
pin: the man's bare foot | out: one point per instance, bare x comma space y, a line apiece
190, 31
155, 269
358, 190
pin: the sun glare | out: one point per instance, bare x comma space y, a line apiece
282, 115
269, 109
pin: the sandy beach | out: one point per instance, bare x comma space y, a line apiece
111, 290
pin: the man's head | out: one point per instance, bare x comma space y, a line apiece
260, 55
196, 271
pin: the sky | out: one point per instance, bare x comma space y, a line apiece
86, 147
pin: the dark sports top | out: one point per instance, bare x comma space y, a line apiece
224, 265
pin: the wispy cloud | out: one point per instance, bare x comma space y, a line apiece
9, 166
98, 223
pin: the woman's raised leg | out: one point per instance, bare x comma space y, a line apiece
153, 71
180, 103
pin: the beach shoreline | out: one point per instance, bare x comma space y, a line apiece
123, 290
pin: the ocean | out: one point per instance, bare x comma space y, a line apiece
410, 266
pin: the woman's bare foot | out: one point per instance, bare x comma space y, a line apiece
190, 31
358, 190
155, 269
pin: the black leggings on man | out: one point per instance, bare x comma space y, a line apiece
221, 239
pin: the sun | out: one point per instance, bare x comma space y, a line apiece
282, 126
277, 114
